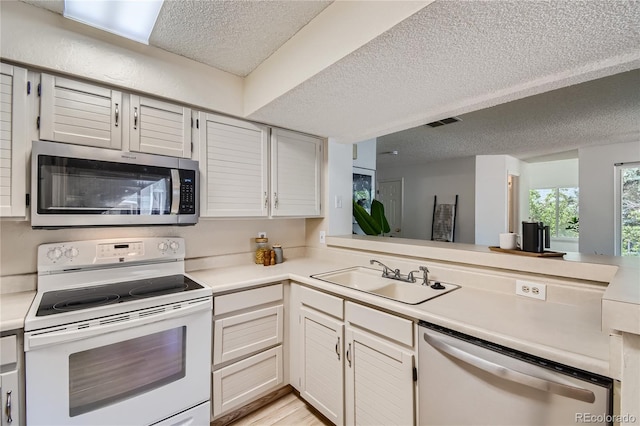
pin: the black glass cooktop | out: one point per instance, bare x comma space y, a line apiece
57, 302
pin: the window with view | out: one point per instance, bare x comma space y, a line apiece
628, 209
558, 208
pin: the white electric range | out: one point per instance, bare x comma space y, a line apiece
118, 334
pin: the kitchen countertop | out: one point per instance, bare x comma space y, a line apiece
564, 333
13, 309
557, 330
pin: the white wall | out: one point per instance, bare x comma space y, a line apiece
18, 242
597, 194
366, 154
444, 179
491, 196
550, 174
43, 39
339, 184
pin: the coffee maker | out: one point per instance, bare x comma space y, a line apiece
535, 237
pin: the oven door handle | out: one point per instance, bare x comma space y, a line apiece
36, 340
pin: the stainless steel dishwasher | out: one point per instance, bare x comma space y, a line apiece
467, 381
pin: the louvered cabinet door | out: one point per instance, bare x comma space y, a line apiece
321, 364
296, 162
80, 113
233, 157
13, 140
158, 127
379, 381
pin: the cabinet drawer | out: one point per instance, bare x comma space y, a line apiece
243, 381
243, 334
323, 302
8, 350
246, 299
389, 326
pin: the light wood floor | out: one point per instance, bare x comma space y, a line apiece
288, 410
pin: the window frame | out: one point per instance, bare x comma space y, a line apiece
556, 191
617, 204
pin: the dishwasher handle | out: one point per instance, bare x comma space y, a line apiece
512, 375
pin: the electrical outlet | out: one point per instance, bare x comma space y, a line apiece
531, 289
322, 237
262, 234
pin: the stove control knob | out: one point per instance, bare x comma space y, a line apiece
71, 252
162, 246
54, 254
173, 245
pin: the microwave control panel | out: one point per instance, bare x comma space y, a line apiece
187, 192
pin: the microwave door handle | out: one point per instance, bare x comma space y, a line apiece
175, 191
512, 375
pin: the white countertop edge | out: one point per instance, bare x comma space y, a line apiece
14, 308
622, 275
572, 265
268, 275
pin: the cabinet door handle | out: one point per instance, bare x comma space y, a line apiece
8, 408
117, 115
338, 348
266, 200
275, 200
135, 118
349, 354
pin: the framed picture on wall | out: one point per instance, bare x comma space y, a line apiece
364, 182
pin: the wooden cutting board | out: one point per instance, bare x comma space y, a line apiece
546, 253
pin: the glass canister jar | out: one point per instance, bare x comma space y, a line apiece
277, 248
262, 247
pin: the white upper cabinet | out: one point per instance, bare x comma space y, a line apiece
238, 179
80, 113
13, 140
158, 127
296, 162
234, 166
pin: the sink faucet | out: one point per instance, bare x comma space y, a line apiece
386, 272
425, 275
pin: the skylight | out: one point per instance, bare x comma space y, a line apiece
133, 19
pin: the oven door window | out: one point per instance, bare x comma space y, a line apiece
105, 375
79, 186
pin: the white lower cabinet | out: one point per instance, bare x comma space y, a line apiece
357, 364
247, 347
321, 360
379, 381
11, 381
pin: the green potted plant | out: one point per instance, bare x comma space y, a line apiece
374, 223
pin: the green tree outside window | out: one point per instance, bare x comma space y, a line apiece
558, 208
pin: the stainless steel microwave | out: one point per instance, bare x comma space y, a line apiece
81, 186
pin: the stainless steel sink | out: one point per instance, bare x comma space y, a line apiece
370, 281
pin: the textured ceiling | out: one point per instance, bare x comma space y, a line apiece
453, 56
234, 36
450, 58
597, 112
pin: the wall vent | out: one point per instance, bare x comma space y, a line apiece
443, 122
